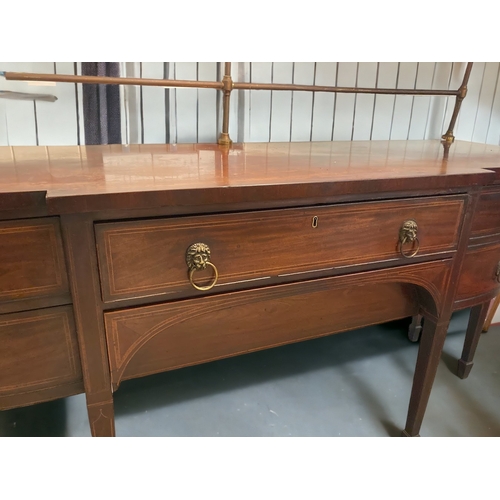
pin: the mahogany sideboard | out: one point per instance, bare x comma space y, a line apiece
123, 261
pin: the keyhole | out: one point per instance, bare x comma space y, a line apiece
315, 221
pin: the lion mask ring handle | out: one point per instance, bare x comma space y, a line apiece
408, 234
197, 259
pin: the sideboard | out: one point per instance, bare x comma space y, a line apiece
123, 261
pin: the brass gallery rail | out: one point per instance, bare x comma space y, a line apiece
227, 85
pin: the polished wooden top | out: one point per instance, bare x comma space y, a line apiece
90, 178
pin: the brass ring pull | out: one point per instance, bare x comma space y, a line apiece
207, 287
408, 234
198, 258
412, 254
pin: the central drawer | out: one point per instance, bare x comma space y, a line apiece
148, 257
152, 339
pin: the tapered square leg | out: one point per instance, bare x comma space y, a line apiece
78, 234
429, 354
405, 434
474, 328
415, 328
101, 419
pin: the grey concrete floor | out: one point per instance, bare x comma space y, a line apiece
351, 384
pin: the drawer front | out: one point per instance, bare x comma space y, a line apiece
486, 220
480, 272
38, 351
31, 259
166, 336
157, 338
142, 258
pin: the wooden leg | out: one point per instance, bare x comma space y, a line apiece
474, 328
415, 328
429, 354
101, 418
78, 234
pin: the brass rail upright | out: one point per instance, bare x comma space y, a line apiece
460, 96
227, 85
224, 139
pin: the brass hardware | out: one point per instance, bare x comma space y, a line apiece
224, 139
227, 81
227, 85
408, 234
448, 137
315, 221
197, 259
497, 274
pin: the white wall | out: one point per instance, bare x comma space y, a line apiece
157, 115
44, 123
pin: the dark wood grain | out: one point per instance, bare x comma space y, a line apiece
487, 217
95, 178
415, 328
431, 345
478, 274
128, 213
474, 329
39, 351
31, 259
147, 258
35, 303
166, 336
82, 264
20, 399
200, 332
17, 205
435, 326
